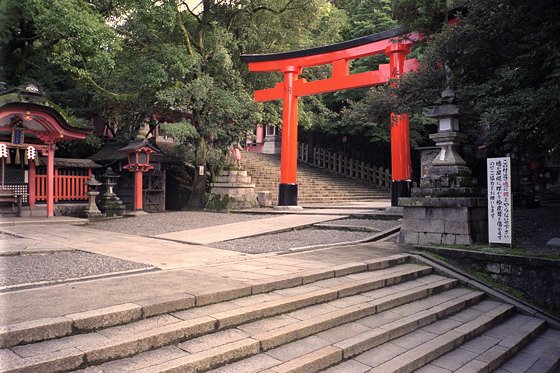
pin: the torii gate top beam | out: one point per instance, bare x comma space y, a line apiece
336, 54
322, 55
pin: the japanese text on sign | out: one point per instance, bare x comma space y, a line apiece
499, 200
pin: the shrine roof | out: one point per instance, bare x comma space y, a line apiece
138, 144
111, 152
70, 163
325, 49
29, 98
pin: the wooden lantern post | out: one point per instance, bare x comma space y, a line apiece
138, 152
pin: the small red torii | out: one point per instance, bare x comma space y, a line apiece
290, 64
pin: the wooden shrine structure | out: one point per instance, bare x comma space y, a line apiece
32, 124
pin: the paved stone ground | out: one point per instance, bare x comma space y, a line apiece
175, 221
532, 229
53, 266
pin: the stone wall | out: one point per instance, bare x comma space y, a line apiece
67, 209
232, 190
538, 278
443, 220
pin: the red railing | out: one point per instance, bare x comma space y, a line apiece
66, 187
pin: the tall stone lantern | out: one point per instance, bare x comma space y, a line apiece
447, 208
448, 169
109, 202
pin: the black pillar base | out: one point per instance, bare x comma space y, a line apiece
400, 188
287, 195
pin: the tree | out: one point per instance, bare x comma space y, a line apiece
169, 63
365, 113
504, 57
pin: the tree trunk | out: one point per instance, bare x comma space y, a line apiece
198, 196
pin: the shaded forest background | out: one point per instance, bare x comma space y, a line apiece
175, 65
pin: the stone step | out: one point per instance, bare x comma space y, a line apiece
542, 355
315, 185
383, 315
126, 340
56, 327
492, 348
418, 351
270, 335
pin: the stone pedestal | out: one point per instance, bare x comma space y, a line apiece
91, 211
443, 220
111, 205
232, 190
447, 209
272, 144
264, 199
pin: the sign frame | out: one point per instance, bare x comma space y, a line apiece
500, 218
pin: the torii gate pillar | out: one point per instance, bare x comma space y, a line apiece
287, 193
401, 168
290, 64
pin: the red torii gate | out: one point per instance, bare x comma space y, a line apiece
290, 64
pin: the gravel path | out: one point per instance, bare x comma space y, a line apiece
377, 224
168, 222
60, 266
155, 224
289, 240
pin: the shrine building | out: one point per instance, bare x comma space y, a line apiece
30, 128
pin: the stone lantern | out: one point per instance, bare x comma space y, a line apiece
91, 211
448, 168
109, 202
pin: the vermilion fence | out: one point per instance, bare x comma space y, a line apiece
66, 187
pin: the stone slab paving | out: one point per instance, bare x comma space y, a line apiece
35, 220
204, 236
13, 245
168, 255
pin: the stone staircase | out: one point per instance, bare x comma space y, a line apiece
315, 185
384, 315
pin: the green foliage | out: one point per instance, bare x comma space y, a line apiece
504, 57
139, 63
425, 16
79, 148
219, 203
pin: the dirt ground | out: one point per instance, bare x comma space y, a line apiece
534, 227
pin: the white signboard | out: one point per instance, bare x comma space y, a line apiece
499, 200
